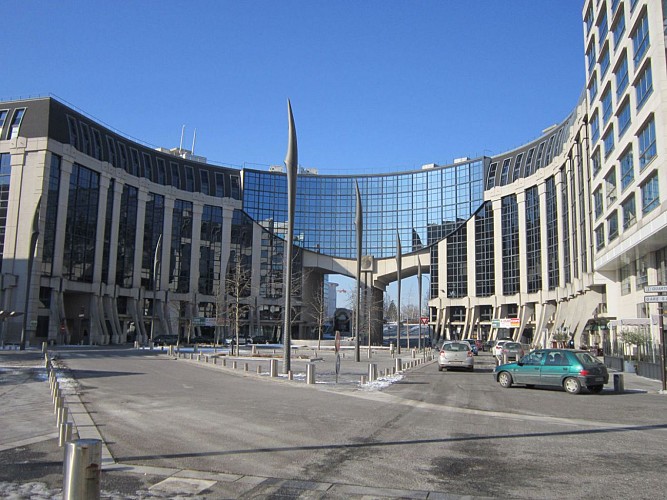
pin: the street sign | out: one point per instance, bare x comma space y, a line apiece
655, 289
424, 321
652, 299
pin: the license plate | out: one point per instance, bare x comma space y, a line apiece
599, 379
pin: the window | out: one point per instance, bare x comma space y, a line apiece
642, 274
597, 202
593, 87
604, 63
599, 237
647, 147
640, 39
516, 171
219, 185
627, 169
3, 119
16, 123
136, 168
629, 212
610, 186
623, 118
85, 138
161, 171
189, 179
591, 57
608, 141
650, 194
589, 19
505, 172
644, 86
122, 157
235, 187
621, 75
97, 144
595, 127
603, 27
612, 226
111, 150
73, 131
596, 162
148, 166
618, 29
175, 175
606, 106
626, 276
491, 179
203, 180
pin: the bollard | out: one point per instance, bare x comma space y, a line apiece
245, 367
290, 375
65, 433
259, 369
399, 365
233, 365
58, 403
82, 469
618, 382
150, 345
505, 358
224, 362
215, 360
62, 415
254, 350
45, 347
136, 344
372, 372
363, 380
310, 373
274, 368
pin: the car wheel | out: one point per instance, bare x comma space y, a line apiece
596, 389
439, 368
572, 385
505, 380
471, 369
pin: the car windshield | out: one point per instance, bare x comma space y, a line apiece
456, 347
512, 345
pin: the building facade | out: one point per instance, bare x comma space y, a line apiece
104, 239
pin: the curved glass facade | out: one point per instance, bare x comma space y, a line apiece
423, 206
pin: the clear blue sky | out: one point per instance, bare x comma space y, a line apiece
378, 85
375, 85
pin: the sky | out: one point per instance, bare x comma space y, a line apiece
375, 85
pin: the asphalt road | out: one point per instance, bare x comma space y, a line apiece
452, 432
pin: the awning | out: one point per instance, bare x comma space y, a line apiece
630, 322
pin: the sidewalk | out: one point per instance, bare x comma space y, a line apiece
31, 462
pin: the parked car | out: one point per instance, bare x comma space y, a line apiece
456, 354
497, 350
569, 369
513, 350
473, 346
165, 340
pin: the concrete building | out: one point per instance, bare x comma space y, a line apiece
555, 238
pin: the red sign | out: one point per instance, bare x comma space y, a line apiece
424, 321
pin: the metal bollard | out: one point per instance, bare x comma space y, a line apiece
65, 433
45, 347
224, 362
363, 380
234, 365
505, 358
245, 367
259, 369
62, 415
399, 365
82, 469
290, 375
57, 405
618, 382
136, 344
372, 372
310, 373
274, 368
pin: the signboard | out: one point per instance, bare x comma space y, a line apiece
652, 299
423, 320
506, 323
201, 321
655, 289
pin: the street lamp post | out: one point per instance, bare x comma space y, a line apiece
156, 265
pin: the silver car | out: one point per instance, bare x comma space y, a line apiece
456, 354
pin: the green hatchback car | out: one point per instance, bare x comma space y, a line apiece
566, 368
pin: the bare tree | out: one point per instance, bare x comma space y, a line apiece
237, 288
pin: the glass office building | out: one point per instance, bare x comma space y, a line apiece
558, 236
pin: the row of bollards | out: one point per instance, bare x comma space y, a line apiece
82, 463
373, 373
